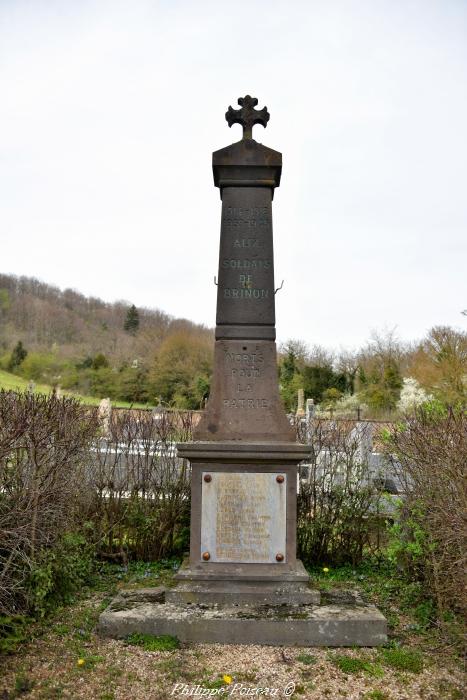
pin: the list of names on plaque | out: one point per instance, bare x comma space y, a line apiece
243, 517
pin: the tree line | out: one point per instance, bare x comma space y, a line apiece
384, 376
83, 344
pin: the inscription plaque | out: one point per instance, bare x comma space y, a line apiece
243, 517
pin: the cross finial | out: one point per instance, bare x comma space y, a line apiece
247, 116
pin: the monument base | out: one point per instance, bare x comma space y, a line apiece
266, 586
343, 621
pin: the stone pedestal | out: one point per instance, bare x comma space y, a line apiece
243, 526
343, 620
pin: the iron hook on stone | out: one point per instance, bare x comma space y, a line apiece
247, 116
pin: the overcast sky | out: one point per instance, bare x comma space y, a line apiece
110, 111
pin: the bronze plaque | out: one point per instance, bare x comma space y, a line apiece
243, 517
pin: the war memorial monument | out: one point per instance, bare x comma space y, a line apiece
242, 582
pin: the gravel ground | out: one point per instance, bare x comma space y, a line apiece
70, 661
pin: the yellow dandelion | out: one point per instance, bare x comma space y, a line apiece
227, 679
81, 662
325, 569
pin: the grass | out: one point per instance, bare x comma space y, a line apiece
403, 659
23, 684
353, 664
13, 632
89, 661
410, 614
12, 382
146, 574
74, 625
150, 643
306, 659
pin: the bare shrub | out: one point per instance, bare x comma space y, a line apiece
142, 489
338, 502
43, 449
430, 449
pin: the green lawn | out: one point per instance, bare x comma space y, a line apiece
12, 382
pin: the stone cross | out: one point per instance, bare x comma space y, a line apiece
247, 116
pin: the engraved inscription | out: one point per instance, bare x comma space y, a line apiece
242, 521
246, 403
246, 264
244, 286
246, 293
243, 517
247, 372
248, 243
236, 223
244, 375
250, 357
248, 212
252, 217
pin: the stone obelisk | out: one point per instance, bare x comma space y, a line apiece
244, 455
244, 403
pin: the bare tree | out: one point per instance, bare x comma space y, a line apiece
43, 449
339, 501
142, 489
430, 450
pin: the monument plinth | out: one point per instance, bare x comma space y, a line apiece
244, 457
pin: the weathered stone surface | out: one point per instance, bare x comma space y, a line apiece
245, 292
248, 115
224, 584
292, 572
246, 163
242, 593
306, 625
263, 454
244, 404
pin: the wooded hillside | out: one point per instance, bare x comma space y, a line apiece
106, 349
